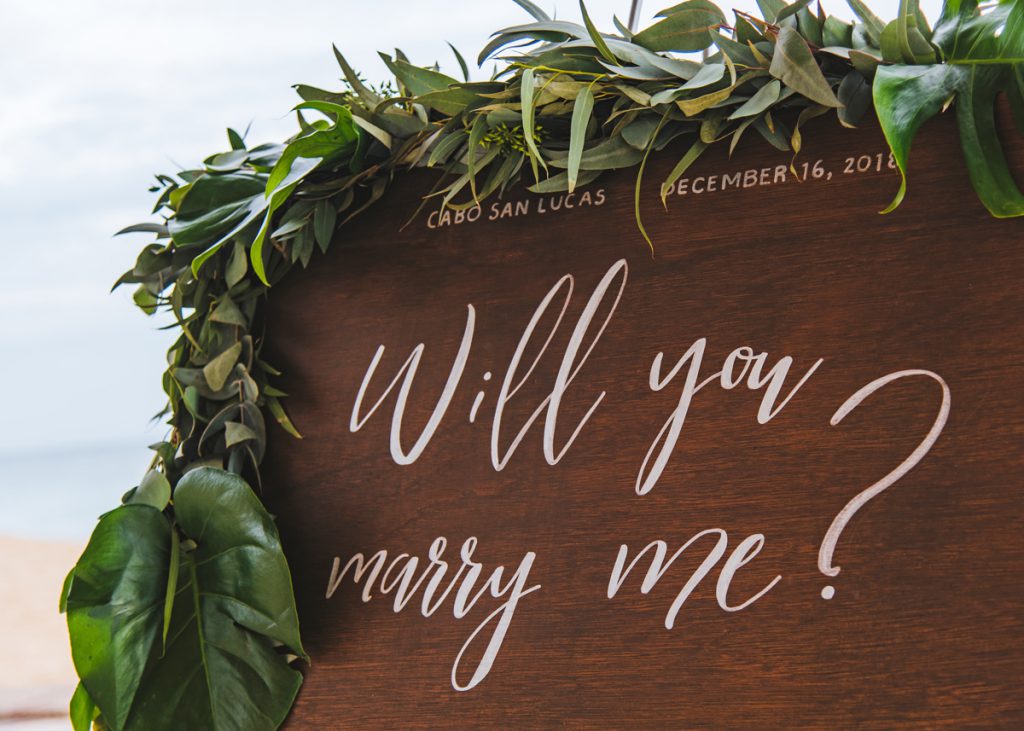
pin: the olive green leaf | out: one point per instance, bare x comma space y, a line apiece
460, 60
872, 24
235, 140
528, 99
791, 9
325, 218
532, 9
236, 432
761, 100
227, 313
905, 98
596, 37
352, 79
794, 65
216, 372
855, 95
415, 79
578, 133
684, 163
709, 74
281, 416
912, 42
770, 9
237, 266
559, 183
836, 33
689, 26
609, 154
154, 490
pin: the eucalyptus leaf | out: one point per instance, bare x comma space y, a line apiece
837, 33
559, 182
237, 266
682, 166
791, 9
227, 313
762, 99
532, 9
609, 154
578, 133
872, 24
528, 99
855, 95
691, 26
154, 490
595, 36
216, 372
794, 65
236, 432
770, 9
325, 217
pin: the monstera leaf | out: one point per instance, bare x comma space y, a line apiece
115, 605
983, 54
210, 657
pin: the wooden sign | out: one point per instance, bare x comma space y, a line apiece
770, 475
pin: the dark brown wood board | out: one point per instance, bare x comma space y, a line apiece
925, 624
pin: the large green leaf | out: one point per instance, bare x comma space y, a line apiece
1016, 94
968, 35
234, 605
794, 65
115, 606
983, 153
905, 98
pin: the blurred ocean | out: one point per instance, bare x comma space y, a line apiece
58, 494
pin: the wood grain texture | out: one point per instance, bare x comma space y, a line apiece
925, 628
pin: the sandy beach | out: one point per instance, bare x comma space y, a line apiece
37, 676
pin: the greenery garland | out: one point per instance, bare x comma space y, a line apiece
181, 611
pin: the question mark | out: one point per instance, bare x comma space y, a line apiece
828, 543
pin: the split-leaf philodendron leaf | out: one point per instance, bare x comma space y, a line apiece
232, 608
181, 607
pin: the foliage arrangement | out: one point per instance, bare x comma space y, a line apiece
181, 610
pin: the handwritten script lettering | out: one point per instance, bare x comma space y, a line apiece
777, 380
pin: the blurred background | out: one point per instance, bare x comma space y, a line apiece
94, 99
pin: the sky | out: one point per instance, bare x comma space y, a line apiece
94, 99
